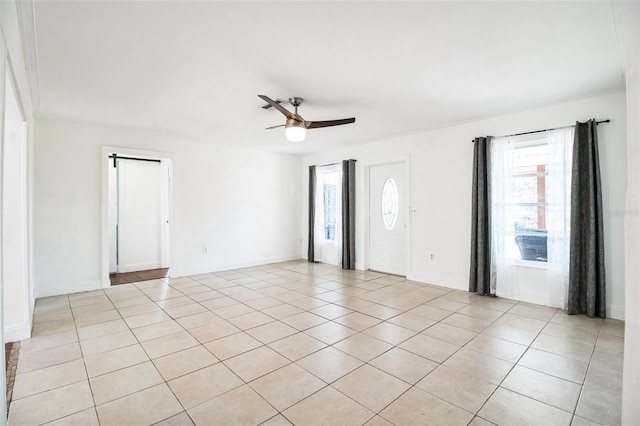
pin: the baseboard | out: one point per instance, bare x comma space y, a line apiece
442, 281
615, 312
175, 272
17, 333
58, 289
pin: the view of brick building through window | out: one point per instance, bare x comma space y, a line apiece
542, 210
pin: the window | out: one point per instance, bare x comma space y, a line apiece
389, 203
329, 197
530, 187
327, 242
530, 196
529, 201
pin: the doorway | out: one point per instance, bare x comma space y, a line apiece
17, 291
139, 196
328, 217
387, 218
16, 288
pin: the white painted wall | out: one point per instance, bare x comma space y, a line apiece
242, 205
19, 287
631, 367
440, 188
3, 384
11, 57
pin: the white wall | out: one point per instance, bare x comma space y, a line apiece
440, 188
11, 57
242, 205
18, 282
631, 368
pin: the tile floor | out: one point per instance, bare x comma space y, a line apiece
310, 344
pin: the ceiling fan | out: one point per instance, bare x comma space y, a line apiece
296, 126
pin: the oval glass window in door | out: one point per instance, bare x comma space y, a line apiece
389, 203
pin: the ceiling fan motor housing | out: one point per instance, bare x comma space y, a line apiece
296, 101
291, 122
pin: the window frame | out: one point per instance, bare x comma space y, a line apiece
539, 205
326, 214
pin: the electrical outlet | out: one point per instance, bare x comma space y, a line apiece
205, 250
413, 211
432, 257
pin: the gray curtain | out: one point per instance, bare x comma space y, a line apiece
480, 276
349, 214
586, 264
312, 213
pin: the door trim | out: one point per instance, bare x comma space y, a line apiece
105, 152
406, 161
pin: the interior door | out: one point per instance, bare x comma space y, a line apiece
387, 219
113, 214
140, 221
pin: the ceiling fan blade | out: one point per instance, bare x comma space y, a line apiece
274, 127
280, 108
329, 123
277, 100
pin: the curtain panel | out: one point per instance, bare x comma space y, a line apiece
530, 210
504, 274
312, 213
587, 286
348, 214
481, 280
558, 217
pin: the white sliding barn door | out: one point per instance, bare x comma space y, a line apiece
113, 215
140, 215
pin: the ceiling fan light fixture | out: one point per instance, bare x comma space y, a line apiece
295, 131
296, 127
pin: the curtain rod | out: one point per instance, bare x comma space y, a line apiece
120, 157
545, 130
330, 164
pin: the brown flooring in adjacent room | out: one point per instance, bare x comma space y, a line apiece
132, 277
309, 344
11, 353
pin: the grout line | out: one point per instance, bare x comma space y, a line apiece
302, 288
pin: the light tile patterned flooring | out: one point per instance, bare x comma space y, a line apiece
310, 344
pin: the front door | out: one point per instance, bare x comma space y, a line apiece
387, 219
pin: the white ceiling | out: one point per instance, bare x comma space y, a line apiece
195, 68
